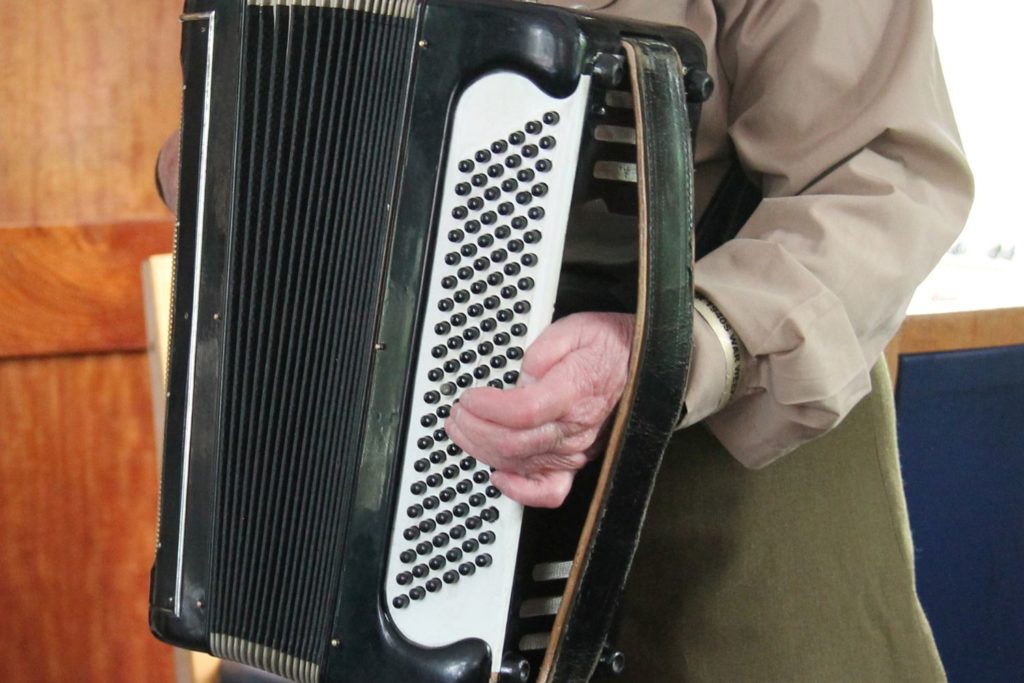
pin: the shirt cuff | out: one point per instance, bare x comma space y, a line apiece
706, 382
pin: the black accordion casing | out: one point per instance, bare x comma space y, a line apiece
317, 179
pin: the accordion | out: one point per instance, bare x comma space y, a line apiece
382, 203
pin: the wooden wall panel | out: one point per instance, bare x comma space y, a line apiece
88, 91
71, 290
77, 520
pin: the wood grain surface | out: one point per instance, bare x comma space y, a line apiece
77, 520
75, 289
88, 91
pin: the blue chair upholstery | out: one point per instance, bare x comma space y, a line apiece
961, 437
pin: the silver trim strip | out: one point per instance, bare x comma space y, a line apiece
540, 607
614, 170
552, 571
190, 387
534, 641
263, 657
619, 99
618, 134
391, 8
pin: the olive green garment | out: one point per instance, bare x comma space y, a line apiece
802, 571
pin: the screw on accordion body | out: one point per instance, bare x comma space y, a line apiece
382, 203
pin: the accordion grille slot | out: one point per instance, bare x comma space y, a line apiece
319, 130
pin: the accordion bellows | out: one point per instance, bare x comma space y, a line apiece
375, 200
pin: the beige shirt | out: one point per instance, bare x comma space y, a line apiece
838, 110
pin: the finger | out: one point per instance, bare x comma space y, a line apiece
527, 407
557, 341
545, 490
497, 445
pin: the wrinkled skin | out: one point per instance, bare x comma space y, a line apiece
539, 434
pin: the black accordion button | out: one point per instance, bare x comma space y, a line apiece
454, 450
495, 170
424, 548
499, 255
431, 502
460, 212
444, 411
460, 510
478, 287
510, 377
459, 319
515, 246
445, 305
433, 585
492, 492
506, 209
448, 577
427, 526
485, 240
483, 560
499, 146
411, 534
519, 222
472, 226
488, 324
453, 555
513, 161
473, 523
543, 165
523, 198
450, 472
442, 328
530, 151
484, 348
437, 457
495, 279
538, 190
451, 365
434, 480
468, 463
421, 465
492, 193
417, 593
470, 545
463, 189
529, 260
496, 383
480, 477
439, 541
476, 500
466, 569
400, 601
468, 356
461, 297
425, 443
420, 570
509, 185
475, 310
454, 343
508, 292
478, 180
444, 517
440, 435
502, 338
437, 562
468, 250
551, 118
407, 556
466, 165
505, 315
482, 156
547, 142
533, 127
447, 495
502, 232
521, 307
431, 397
457, 531
531, 236
429, 420
487, 218
403, 579
475, 204
536, 213
492, 302
464, 380
418, 488
448, 282
525, 175
517, 137
439, 351
487, 537
464, 486
518, 330
489, 515
481, 372
482, 263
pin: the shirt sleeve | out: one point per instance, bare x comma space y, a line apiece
839, 111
